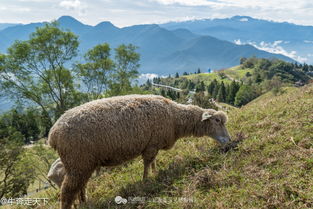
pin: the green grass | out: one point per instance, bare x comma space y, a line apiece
207, 78
236, 73
271, 168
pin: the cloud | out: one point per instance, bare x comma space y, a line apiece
18, 9
244, 20
144, 77
37, 1
68, 4
187, 2
275, 48
308, 42
128, 12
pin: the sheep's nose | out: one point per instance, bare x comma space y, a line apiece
223, 140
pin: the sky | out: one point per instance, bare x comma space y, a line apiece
131, 12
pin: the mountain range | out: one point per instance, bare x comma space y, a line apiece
164, 49
293, 40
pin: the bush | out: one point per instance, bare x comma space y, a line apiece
244, 95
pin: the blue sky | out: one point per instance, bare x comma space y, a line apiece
130, 12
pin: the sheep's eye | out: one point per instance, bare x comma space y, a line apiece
217, 120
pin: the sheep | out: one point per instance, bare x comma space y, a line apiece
57, 172
56, 175
111, 131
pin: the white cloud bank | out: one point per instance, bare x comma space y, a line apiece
129, 12
275, 48
67, 4
144, 77
187, 2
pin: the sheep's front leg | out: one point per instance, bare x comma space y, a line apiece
148, 160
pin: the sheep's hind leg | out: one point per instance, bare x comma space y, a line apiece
148, 158
153, 166
82, 195
72, 185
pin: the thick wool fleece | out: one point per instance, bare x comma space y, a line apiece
108, 132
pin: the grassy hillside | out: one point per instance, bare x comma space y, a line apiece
271, 168
236, 73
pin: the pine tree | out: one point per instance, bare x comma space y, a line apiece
216, 89
221, 95
191, 85
233, 89
148, 83
211, 87
305, 67
200, 87
163, 92
258, 78
176, 75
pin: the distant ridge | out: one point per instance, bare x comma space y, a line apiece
278, 36
162, 51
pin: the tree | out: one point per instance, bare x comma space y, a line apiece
233, 89
26, 122
184, 84
148, 83
191, 85
221, 95
244, 95
34, 70
248, 74
216, 89
176, 75
263, 64
212, 86
305, 67
15, 176
203, 101
258, 78
243, 60
198, 71
163, 93
221, 75
126, 69
200, 86
39, 159
96, 72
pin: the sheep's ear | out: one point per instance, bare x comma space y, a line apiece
206, 116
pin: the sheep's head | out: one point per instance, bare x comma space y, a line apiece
216, 121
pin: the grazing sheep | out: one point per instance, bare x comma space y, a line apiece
57, 172
108, 132
56, 175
